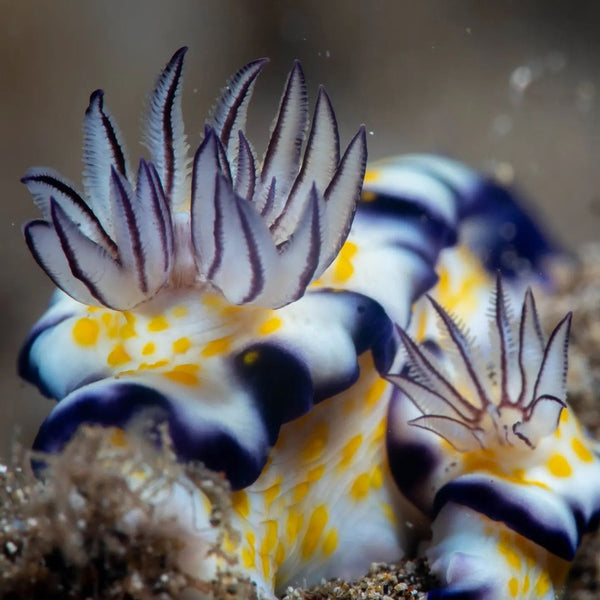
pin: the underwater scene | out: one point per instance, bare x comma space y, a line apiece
301, 301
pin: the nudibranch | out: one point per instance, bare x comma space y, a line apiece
255, 310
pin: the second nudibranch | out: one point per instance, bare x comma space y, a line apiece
249, 308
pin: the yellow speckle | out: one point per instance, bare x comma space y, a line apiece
542, 585
241, 503
127, 331
349, 450
85, 331
265, 562
506, 547
421, 327
513, 587
270, 538
216, 347
376, 478
314, 530
293, 525
375, 392
249, 555
360, 487
272, 492
526, 584
581, 451
343, 269
559, 466
315, 474
92, 309
118, 438
279, 554
389, 513
183, 374
148, 349
179, 312
368, 196
315, 443
230, 543
270, 326
379, 431
564, 416
372, 175
330, 542
158, 323
250, 357
300, 491
111, 323
181, 345
155, 365
118, 356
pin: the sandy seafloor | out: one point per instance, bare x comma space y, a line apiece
53, 548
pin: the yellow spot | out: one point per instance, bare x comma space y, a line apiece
270, 326
266, 566
155, 365
279, 554
376, 478
183, 374
85, 332
148, 349
272, 492
300, 491
542, 585
360, 487
581, 451
379, 430
127, 331
118, 438
314, 530
389, 513
375, 392
249, 552
118, 356
250, 357
564, 416
179, 312
513, 587
526, 584
372, 175
421, 326
368, 196
216, 347
111, 322
158, 323
315, 443
330, 542
241, 503
315, 474
506, 548
293, 525
559, 466
343, 268
181, 345
230, 543
349, 450
92, 309
270, 539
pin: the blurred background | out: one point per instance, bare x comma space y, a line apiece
510, 87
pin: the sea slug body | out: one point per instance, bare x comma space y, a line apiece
275, 321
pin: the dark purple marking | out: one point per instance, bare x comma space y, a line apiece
97, 98
489, 499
